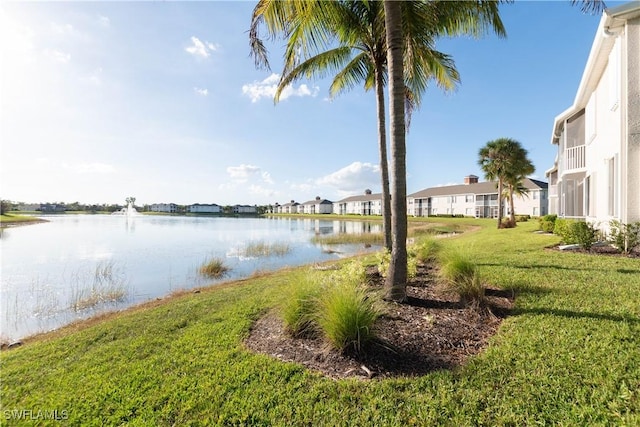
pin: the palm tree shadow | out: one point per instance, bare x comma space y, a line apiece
430, 303
575, 314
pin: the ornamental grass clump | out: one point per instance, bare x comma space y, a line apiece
461, 276
346, 316
427, 250
299, 310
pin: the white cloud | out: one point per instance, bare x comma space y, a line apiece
200, 91
243, 172
57, 55
262, 191
352, 179
104, 21
201, 49
267, 89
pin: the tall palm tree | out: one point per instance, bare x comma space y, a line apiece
505, 160
520, 167
360, 57
309, 26
396, 281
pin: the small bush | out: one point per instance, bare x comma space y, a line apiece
584, 233
214, 268
523, 218
625, 237
547, 223
346, 316
462, 277
507, 223
384, 259
563, 228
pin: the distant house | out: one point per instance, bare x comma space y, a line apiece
203, 208
289, 208
476, 199
244, 209
596, 173
365, 204
52, 207
316, 206
164, 207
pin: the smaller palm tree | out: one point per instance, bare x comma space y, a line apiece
505, 160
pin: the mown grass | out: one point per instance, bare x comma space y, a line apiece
11, 218
567, 356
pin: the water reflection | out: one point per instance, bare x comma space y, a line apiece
56, 272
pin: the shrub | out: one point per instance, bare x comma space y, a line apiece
507, 223
547, 223
214, 268
564, 229
462, 277
523, 218
384, 259
346, 316
625, 237
584, 233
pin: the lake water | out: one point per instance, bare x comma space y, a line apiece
76, 266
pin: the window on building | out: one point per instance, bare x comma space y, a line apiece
535, 211
469, 198
535, 195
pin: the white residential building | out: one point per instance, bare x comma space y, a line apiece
244, 209
202, 208
476, 199
289, 208
366, 204
316, 206
164, 207
596, 174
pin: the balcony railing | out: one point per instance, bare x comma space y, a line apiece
574, 158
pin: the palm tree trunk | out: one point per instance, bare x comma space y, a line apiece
384, 164
396, 282
512, 216
500, 202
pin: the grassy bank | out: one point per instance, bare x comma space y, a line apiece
13, 219
568, 356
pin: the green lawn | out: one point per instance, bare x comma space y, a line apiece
570, 355
11, 218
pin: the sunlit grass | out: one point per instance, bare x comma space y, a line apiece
568, 355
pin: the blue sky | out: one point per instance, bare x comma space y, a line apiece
161, 101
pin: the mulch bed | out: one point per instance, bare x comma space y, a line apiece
431, 331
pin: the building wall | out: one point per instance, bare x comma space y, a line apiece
204, 209
632, 213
